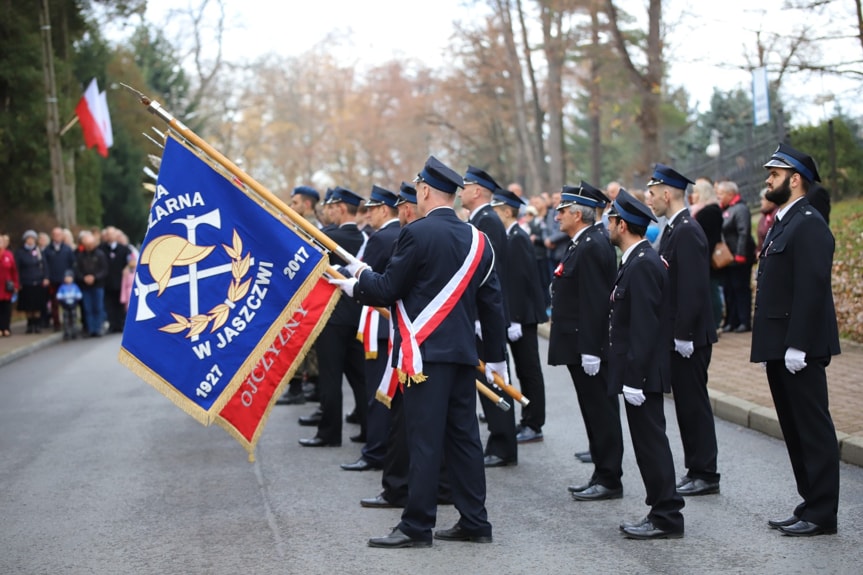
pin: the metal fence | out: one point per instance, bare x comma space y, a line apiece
743, 166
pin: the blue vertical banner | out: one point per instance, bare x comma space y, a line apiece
219, 275
760, 97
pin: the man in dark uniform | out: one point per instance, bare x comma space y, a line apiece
639, 340
526, 310
684, 249
579, 338
590, 191
502, 447
337, 345
795, 334
394, 479
118, 257
383, 218
441, 278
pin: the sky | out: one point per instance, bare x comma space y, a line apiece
706, 40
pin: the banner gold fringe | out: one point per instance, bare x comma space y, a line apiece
384, 398
250, 446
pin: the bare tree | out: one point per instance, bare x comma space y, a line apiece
647, 80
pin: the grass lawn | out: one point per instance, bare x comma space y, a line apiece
846, 222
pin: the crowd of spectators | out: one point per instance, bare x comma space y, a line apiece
48, 279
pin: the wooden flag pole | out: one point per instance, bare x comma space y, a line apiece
157, 110
69, 125
495, 398
510, 390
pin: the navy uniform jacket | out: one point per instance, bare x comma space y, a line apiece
684, 248
377, 255
488, 222
349, 237
428, 253
640, 326
523, 288
794, 299
580, 291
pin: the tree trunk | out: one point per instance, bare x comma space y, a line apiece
535, 163
554, 54
648, 83
595, 100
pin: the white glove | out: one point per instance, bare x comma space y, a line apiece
633, 396
590, 364
497, 367
513, 332
346, 285
477, 329
684, 348
354, 266
795, 360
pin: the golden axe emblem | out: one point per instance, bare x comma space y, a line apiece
166, 252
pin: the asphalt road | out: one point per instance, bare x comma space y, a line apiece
101, 474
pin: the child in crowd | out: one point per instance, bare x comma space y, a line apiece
68, 295
128, 280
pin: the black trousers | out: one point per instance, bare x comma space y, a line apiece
339, 353
653, 455
601, 415
440, 420
397, 461
378, 417
115, 311
528, 370
694, 414
738, 295
810, 437
501, 424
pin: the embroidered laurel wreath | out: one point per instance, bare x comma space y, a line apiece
219, 314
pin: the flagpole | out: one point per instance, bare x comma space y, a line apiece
68, 126
156, 109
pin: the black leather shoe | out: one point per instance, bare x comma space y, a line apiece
727, 329
495, 461
806, 529
352, 417
456, 533
629, 525
647, 530
597, 492
397, 539
699, 487
358, 438
291, 399
683, 481
377, 503
528, 435
359, 465
742, 329
312, 420
584, 456
318, 442
777, 523
578, 488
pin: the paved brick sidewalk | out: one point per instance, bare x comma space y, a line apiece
732, 374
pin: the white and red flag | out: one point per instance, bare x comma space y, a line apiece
95, 120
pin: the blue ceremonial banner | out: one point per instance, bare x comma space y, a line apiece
218, 278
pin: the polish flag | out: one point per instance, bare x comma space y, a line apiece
92, 112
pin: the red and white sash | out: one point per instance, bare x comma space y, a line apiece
367, 331
415, 332
390, 379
